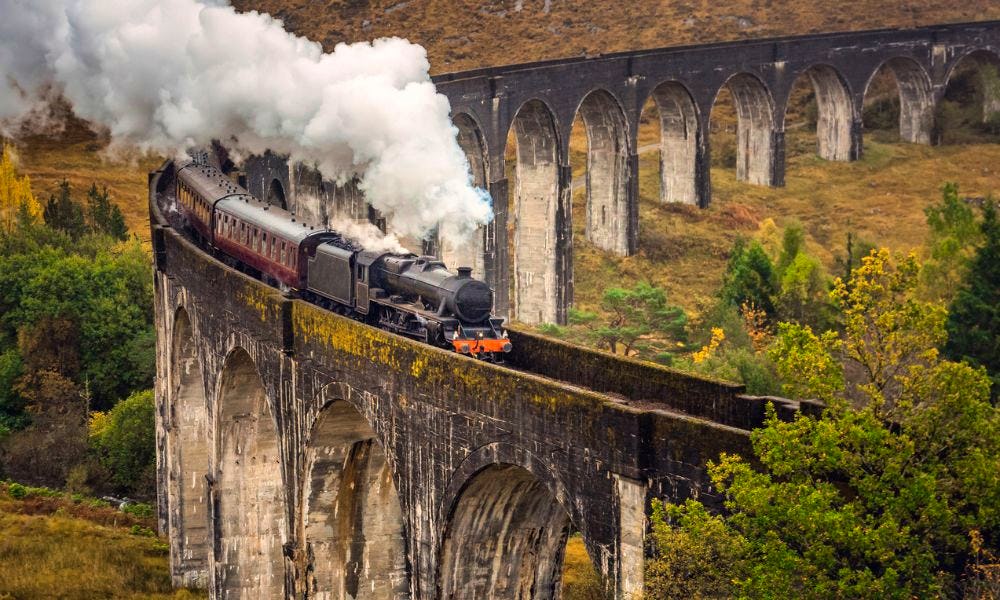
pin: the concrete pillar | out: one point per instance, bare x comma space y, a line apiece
564, 245
777, 159
835, 114
250, 515
989, 83
857, 138
916, 101
541, 208
632, 205
631, 537
703, 171
351, 519
496, 260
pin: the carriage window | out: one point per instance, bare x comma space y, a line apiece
281, 255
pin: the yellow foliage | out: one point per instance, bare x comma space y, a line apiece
755, 322
718, 335
98, 425
15, 192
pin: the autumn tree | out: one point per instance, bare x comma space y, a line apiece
15, 192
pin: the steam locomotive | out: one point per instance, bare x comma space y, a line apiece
416, 296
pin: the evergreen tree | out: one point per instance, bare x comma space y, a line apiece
105, 216
974, 316
632, 321
62, 213
750, 278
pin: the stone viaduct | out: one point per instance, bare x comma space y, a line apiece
527, 253
304, 455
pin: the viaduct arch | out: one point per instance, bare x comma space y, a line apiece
526, 254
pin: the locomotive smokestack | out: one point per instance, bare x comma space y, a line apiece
465, 272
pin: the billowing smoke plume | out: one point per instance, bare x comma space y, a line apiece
165, 75
369, 236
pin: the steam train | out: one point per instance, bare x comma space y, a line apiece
416, 296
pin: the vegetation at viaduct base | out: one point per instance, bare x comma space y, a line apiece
76, 338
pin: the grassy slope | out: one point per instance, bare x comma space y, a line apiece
463, 34
54, 548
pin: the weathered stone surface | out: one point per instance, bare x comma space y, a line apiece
346, 462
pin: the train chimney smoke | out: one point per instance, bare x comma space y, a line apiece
166, 75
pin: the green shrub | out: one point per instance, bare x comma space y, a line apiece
17, 491
141, 531
126, 445
141, 510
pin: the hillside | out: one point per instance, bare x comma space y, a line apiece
465, 34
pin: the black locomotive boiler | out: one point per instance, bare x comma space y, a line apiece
416, 296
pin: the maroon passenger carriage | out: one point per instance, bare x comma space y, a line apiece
264, 237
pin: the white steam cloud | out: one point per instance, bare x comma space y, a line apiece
166, 75
369, 236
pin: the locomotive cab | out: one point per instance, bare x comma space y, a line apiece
366, 284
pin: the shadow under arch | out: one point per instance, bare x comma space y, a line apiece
679, 142
473, 144
353, 529
835, 114
755, 151
505, 528
276, 194
985, 64
607, 224
250, 523
533, 237
188, 452
916, 100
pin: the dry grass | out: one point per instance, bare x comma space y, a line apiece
54, 547
465, 34
580, 580
65, 557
